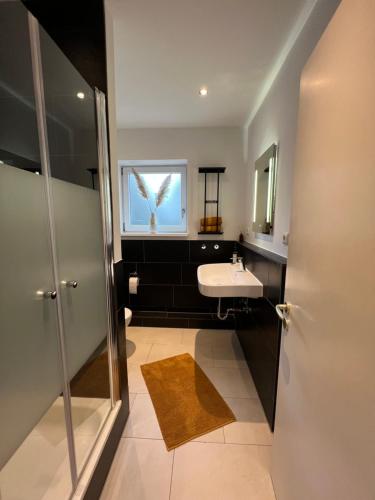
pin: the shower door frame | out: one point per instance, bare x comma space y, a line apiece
116, 349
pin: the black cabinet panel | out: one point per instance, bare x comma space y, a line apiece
276, 283
262, 363
260, 331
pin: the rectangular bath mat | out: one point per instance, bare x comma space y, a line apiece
186, 403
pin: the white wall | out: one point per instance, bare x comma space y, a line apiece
200, 146
276, 121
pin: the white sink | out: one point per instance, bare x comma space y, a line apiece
226, 280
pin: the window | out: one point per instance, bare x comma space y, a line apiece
154, 196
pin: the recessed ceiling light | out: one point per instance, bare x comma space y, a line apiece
80, 95
203, 91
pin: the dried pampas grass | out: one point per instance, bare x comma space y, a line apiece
163, 190
140, 185
159, 198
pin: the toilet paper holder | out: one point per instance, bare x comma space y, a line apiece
133, 283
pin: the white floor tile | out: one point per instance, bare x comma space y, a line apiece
137, 352
132, 396
136, 381
137, 334
232, 382
216, 436
155, 335
251, 426
230, 463
228, 355
141, 470
209, 471
222, 336
202, 354
142, 421
195, 337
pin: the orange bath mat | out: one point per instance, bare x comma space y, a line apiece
186, 403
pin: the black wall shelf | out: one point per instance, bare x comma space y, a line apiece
206, 171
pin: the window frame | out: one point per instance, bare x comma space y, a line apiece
150, 166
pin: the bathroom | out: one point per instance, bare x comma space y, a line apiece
182, 222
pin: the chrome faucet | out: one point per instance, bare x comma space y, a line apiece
234, 258
240, 264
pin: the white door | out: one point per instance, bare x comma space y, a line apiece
324, 443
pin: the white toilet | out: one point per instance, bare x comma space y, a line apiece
128, 316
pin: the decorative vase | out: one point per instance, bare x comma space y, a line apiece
153, 223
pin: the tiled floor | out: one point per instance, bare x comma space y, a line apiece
231, 463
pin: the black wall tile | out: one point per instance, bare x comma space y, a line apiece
166, 322
159, 273
189, 296
121, 290
190, 314
213, 324
150, 314
209, 254
129, 268
154, 310
166, 251
153, 296
136, 321
189, 274
132, 250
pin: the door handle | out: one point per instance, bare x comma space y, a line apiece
70, 284
51, 294
283, 311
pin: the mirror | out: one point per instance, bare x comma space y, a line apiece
265, 191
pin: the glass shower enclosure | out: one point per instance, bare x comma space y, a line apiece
58, 362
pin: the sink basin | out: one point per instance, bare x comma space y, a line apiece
225, 280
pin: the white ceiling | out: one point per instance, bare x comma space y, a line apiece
165, 50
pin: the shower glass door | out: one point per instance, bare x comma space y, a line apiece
34, 458
76, 213
55, 378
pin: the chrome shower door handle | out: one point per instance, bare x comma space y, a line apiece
283, 311
70, 284
50, 294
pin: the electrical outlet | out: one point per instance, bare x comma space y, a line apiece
286, 238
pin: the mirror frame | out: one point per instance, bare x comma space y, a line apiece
268, 226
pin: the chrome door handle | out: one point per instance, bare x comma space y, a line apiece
283, 311
70, 284
50, 294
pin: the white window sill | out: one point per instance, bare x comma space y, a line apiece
157, 235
